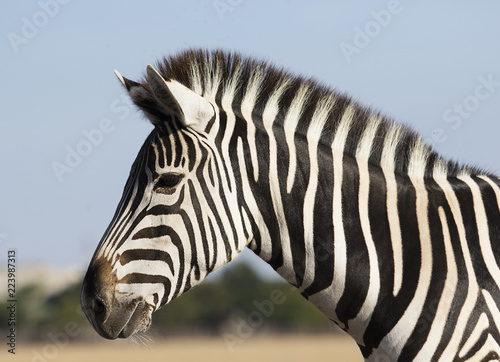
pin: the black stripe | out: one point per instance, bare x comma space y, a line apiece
381, 234
168, 144
293, 206
213, 238
438, 276
153, 232
323, 224
161, 152
358, 272
146, 254
201, 225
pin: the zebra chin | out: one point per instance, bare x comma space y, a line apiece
139, 322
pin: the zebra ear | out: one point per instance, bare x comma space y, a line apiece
193, 110
127, 83
143, 99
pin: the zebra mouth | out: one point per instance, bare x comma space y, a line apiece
122, 322
139, 321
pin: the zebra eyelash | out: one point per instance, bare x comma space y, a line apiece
167, 183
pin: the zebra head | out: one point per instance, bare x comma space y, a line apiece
179, 217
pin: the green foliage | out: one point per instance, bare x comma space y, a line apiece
239, 295
64, 307
37, 314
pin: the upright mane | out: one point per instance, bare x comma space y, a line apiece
218, 74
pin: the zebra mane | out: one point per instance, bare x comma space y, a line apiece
219, 75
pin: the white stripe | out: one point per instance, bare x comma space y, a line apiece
440, 169
247, 106
268, 116
339, 245
446, 299
387, 160
418, 159
289, 125
318, 120
365, 144
388, 168
213, 77
196, 78
232, 84
157, 158
343, 128
172, 140
358, 325
321, 114
162, 146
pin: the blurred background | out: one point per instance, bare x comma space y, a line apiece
434, 66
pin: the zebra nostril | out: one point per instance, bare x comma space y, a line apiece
99, 308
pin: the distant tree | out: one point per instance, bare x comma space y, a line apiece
237, 293
64, 307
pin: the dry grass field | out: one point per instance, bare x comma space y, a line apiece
262, 348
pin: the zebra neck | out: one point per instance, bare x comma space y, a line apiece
367, 246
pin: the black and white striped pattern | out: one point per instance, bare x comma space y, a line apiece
396, 245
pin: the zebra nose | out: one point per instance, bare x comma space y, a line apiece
99, 309
98, 296
94, 304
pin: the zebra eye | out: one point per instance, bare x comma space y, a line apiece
166, 183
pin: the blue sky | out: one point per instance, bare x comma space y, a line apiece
432, 65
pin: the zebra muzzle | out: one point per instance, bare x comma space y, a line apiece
117, 320
112, 315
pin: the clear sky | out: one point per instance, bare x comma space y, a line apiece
432, 65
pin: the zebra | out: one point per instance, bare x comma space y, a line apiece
395, 244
